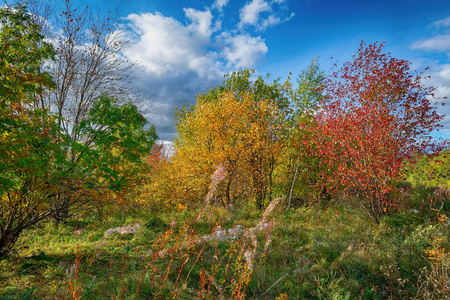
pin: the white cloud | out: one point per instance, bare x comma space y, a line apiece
243, 50
438, 71
251, 11
201, 22
270, 21
439, 43
440, 80
442, 23
165, 46
176, 61
262, 14
220, 4
181, 58
436, 43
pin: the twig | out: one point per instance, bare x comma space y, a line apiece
213, 281
272, 286
293, 182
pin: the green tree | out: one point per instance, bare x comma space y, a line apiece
27, 135
88, 64
431, 170
21, 55
38, 177
109, 157
299, 169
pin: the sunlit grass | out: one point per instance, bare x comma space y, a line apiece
334, 252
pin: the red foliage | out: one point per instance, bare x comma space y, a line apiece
157, 155
376, 115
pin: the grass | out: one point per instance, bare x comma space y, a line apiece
317, 252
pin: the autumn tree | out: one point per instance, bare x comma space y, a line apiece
376, 116
300, 169
116, 138
238, 124
27, 135
88, 60
431, 170
156, 188
36, 172
88, 63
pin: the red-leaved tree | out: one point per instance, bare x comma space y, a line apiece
376, 116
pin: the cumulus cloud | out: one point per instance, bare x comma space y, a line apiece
243, 50
201, 22
261, 13
250, 12
181, 58
439, 72
270, 21
165, 46
440, 79
220, 4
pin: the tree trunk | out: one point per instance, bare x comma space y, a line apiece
293, 182
61, 208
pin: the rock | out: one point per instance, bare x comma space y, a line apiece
127, 229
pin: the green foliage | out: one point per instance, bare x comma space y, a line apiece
308, 95
300, 170
242, 83
330, 288
14, 294
431, 170
22, 128
42, 170
314, 253
21, 54
113, 137
28, 136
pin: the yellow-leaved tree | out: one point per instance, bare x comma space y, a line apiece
239, 127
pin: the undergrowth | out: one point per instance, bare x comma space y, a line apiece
305, 253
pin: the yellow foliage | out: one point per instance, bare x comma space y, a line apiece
437, 253
282, 297
241, 133
180, 207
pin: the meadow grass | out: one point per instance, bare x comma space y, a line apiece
316, 252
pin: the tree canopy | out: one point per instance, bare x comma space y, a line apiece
43, 170
376, 116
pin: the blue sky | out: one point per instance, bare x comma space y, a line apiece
185, 47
